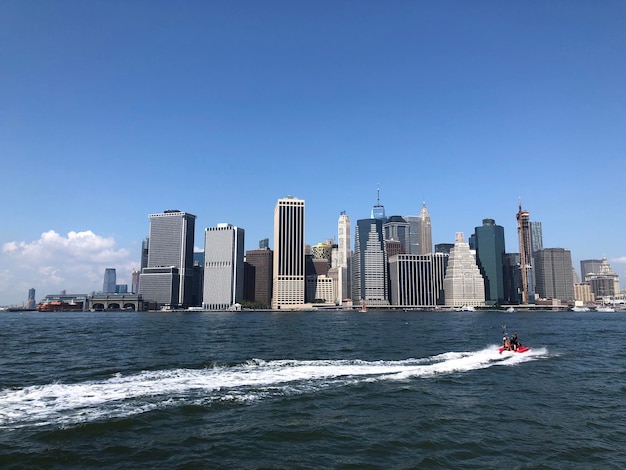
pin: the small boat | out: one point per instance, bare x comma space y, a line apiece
605, 308
510, 310
521, 349
363, 307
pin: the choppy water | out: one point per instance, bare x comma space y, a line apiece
311, 390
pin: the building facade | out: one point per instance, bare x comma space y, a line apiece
258, 276
412, 281
489, 239
553, 274
463, 283
424, 232
369, 265
110, 280
223, 267
526, 256
289, 250
170, 246
344, 259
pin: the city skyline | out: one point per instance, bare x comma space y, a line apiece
466, 106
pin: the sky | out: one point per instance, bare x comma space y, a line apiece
114, 110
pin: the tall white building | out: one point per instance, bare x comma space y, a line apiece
424, 232
223, 267
289, 251
344, 256
463, 284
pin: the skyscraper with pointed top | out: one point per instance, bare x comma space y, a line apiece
378, 210
424, 232
526, 255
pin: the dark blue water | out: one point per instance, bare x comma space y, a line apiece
312, 390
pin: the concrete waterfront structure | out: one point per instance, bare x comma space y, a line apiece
489, 239
463, 283
369, 264
553, 274
289, 254
223, 267
170, 246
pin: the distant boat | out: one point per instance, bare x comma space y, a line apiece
363, 307
605, 308
465, 308
510, 310
580, 309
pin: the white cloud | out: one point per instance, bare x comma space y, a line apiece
74, 263
621, 259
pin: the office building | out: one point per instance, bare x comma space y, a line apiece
411, 281
512, 279
289, 263
258, 277
553, 274
31, 303
412, 220
378, 210
489, 239
170, 246
344, 259
463, 283
589, 266
110, 278
134, 284
223, 267
604, 282
369, 264
398, 229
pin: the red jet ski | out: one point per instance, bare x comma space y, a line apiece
511, 344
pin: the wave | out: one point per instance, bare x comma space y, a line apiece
125, 395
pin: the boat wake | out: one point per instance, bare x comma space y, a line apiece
125, 395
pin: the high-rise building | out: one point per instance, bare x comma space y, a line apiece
398, 229
134, 285
344, 259
145, 245
110, 279
223, 267
289, 268
536, 236
31, 302
264, 244
369, 263
526, 255
444, 248
258, 276
589, 266
553, 274
171, 246
463, 284
489, 239
604, 282
411, 280
512, 279
424, 232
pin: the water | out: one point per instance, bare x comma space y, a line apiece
311, 390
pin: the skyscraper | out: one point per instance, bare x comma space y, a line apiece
526, 255
490, 251
398, 229
424, 232
344, 257
289, 269
604, 282
378, 210
171, 246
110, 279
413, 222
463, 284
553, 274
258, 276
223, 267
369, 265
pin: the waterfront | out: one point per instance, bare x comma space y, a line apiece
311, 390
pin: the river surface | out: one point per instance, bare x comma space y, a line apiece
312, 390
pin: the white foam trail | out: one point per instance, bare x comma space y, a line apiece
120, 396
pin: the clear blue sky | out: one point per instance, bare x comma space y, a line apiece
112, 110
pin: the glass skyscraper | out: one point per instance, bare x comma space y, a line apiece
489, 239
369, 266
110, 279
